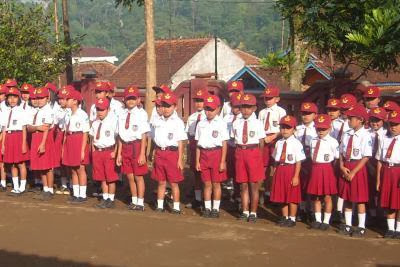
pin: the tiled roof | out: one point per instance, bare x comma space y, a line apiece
87, 51
249, 59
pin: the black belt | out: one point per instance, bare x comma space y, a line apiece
211, 148
72, 133
131, 142
282, 164
247, 146
104, 149
13, 131
386, 164
168, 148
350, 160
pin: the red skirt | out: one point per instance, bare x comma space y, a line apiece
58, 140
355, 191
281, 190
130, 155
72, 151
43, 161
230, 162
390, 188
13, 148
322, 180
209, 163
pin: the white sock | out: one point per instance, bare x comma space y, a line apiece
361, 220
105, 196
318, 217
75, 190
45, 189
82, 191
160, 203
22, 185
15, 183
348, 216
134, 200
340, 202
177, 206
216, 204
390, 223
254, 213
3, 183
398, 226
207, 204
197, 195
111, 196
246, 212
140, 201
51, 190
286, 217
293, 218
64, 182
327, 217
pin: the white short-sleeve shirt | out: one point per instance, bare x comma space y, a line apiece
108, 131
384, 143
328, 149
169, 131
229, 122
17, 120
44, 115
294, 150
310, 134
226, 108
362, 144
276, 113
255, 130
212, 133
337, 125
191, 122
77, 122
115, 107
138, 125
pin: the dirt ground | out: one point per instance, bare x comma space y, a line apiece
34, 233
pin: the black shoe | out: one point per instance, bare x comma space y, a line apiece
281, 221
243, 217
206, 213
44, 196
160, 210
110, 204
289, 223
73, 200
82, 199
175, 211
324, 226
14, 193
358, 232
252, 218
315, 225
215, 213
345, 230
131, 206
102, 204
3, 189
389, 234
134, 207
396, 235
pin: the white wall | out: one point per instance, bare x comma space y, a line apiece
111, 59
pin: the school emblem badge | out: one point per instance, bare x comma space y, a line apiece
199, 93
386, 105
290, 157
306, 106
267, 91
321, 119
238, 96
246, 97
167, 96
131, 90
77, 125
334, 103
326, 157
370, 91
134, 128
170, 136
215, 134
43, 120
14, 122
234, 84
252, 133
393, 114
377, 110
108, 133
275, 123
345, 100
356, 152
26, 87
210, 99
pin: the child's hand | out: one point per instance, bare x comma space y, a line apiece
119, 160
2, 150
222, 166
345, 171
42, 148
141, 160
180, 164
295, 181
350, 176
82, 156
269, 139
198, 168
112, 155
378, 185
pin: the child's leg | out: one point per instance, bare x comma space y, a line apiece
197, 186
317, 208
216, 188
340, 203
140, 185
14, 175
111, 190
43, 177
398, 222
285, 211
361, 215
132, 187
161, 194
104, 188
328, 209
348, 213
50, 180
82, 177
207, 191
244, 194
292, 211
75, 181
22, 175
2, 175
255, 187
391, 219
176, 196
63, 173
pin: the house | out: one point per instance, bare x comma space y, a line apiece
95, 54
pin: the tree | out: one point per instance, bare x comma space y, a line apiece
28, 51
67, 38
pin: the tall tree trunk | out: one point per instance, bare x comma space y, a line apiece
300, 56
67, 39
151, 72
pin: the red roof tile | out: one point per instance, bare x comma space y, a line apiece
248, 58
87, 51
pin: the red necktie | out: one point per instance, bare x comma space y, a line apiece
127, 120
303, 141
349, 148
68, 125
390, 149
339, 137
197, 121
98, 131
266, 127
283, 154
315, 154
25, 105
244, 135
375, 145
34, 118
9, 119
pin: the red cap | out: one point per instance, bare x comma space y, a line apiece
13, 91
308, 107
271, 91
333, 103
394, 117
391, 106
102, 103
212, 101
157, 101
3, 88
163, 88
357, 111
169, 98
235, 86
235, 99
131, 91
347, 101
102, 86
10, 83
32, 93
201, 94
64, 92
111, 85
248, 99
322, 121
76, 95
379, 113
26, 87
40, 92
289, 121
51, 87
372, 92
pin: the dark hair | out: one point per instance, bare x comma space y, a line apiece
19, 100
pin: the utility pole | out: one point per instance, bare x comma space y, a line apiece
67, 39
216, 56
57, 32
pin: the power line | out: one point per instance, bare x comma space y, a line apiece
229, 2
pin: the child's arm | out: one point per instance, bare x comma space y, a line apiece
295, 179
222, 164
45, 129
345, 171
378, 175
180, 156
143, 145
270, 138
119, 154
84, 143
24, 144
358, 167
198, 167
3, 137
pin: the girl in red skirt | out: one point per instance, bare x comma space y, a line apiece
75, 149
42, 144
3, 185
323, 183
288, 155
388, 174
14, 144
355, 150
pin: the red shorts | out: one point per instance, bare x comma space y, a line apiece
209, 163
165, 166
282, 190
72, 151
13, 148
322, 180
104, 168
355, 191
58, 140
249, 165
230, 162
130, 155
192, 152
43, 161
390, 187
